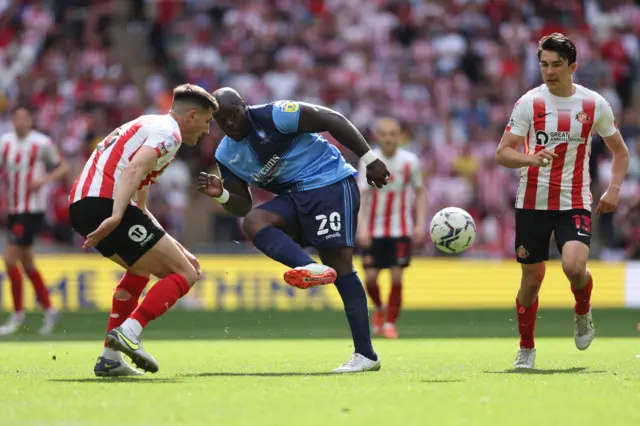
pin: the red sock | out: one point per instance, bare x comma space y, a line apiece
527, 323
395, 301
160, 298
16, 287
41, 290
583, 297
121, 309
374, 293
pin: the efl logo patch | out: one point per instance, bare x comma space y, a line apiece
582, 117
290, 106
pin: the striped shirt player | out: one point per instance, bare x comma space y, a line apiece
387, 215
93, 191
561, 189
28, 161
555, 123
108, 208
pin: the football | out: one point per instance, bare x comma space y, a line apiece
452, 230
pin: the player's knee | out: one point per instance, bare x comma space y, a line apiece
190, 274
532, 277
574, 269
253, 223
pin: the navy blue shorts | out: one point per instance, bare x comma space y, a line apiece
321, 218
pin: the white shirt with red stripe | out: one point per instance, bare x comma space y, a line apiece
563, 126
389, 210
101, 173
25, 160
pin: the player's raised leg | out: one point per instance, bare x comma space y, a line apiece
265, 226
11, 258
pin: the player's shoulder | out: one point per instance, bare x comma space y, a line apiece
7, 137
224, 149
40, 138
157, 122
528, 97
586, 93
407, 155
286, 106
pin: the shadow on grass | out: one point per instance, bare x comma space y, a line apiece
547, 371
117, 380
441, 381
283, 374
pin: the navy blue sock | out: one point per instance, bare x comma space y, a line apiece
281, 247
355, 306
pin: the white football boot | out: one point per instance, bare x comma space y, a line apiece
359, 363
526, 358
51, 318
583, 330
13, 324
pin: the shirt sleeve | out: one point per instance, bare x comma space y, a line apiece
286, 115
51, 153
416, 174
163, 143
520, 120
605, 123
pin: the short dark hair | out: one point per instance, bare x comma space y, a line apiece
25, 107
195, 94
559, 43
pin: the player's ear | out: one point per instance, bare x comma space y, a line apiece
573, 67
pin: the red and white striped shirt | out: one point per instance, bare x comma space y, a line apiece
113, 154
25, 160
389, 211
563, 126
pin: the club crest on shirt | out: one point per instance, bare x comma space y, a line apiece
582, 117
522, 252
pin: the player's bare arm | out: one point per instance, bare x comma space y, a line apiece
507, 154
318, 119
142, 163
363, 235
234, 196
421, 216
619, 167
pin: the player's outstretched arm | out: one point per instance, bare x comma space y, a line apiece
507, 154
234, 196
318, 119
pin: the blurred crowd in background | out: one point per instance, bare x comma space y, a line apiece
449, 71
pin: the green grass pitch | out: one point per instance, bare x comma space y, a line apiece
267, 368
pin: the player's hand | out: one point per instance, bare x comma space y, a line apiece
609, 201
363, 239
377, 174
210, 185
106, 227
542, 158
418, 237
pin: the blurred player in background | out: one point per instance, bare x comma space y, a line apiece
108, 207
554, 122
276, 147
26, 155
386, 231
